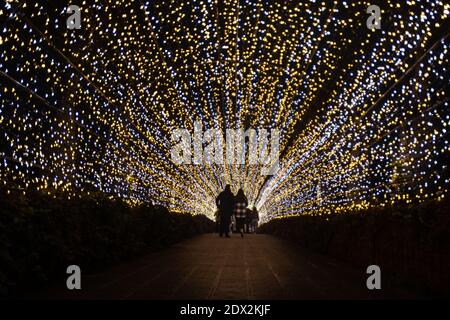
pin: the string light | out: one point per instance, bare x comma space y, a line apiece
363, 114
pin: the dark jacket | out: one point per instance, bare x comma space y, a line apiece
225, 202
248, 216
255, 214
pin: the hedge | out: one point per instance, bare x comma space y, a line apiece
411, 244
41, 235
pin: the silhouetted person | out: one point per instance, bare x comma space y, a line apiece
232, 223
225, 202
240, 210
255, 219
248, 220
217, 219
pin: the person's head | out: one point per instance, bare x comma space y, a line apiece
228, 188
254, 208
240, 192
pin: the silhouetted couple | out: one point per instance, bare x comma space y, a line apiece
229, 204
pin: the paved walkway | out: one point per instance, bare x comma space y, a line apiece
209, 267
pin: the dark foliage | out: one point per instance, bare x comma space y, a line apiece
41, 235
411, 244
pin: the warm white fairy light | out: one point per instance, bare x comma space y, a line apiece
363, 114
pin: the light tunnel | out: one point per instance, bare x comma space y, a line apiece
351, 104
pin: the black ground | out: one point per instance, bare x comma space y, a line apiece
208, 267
